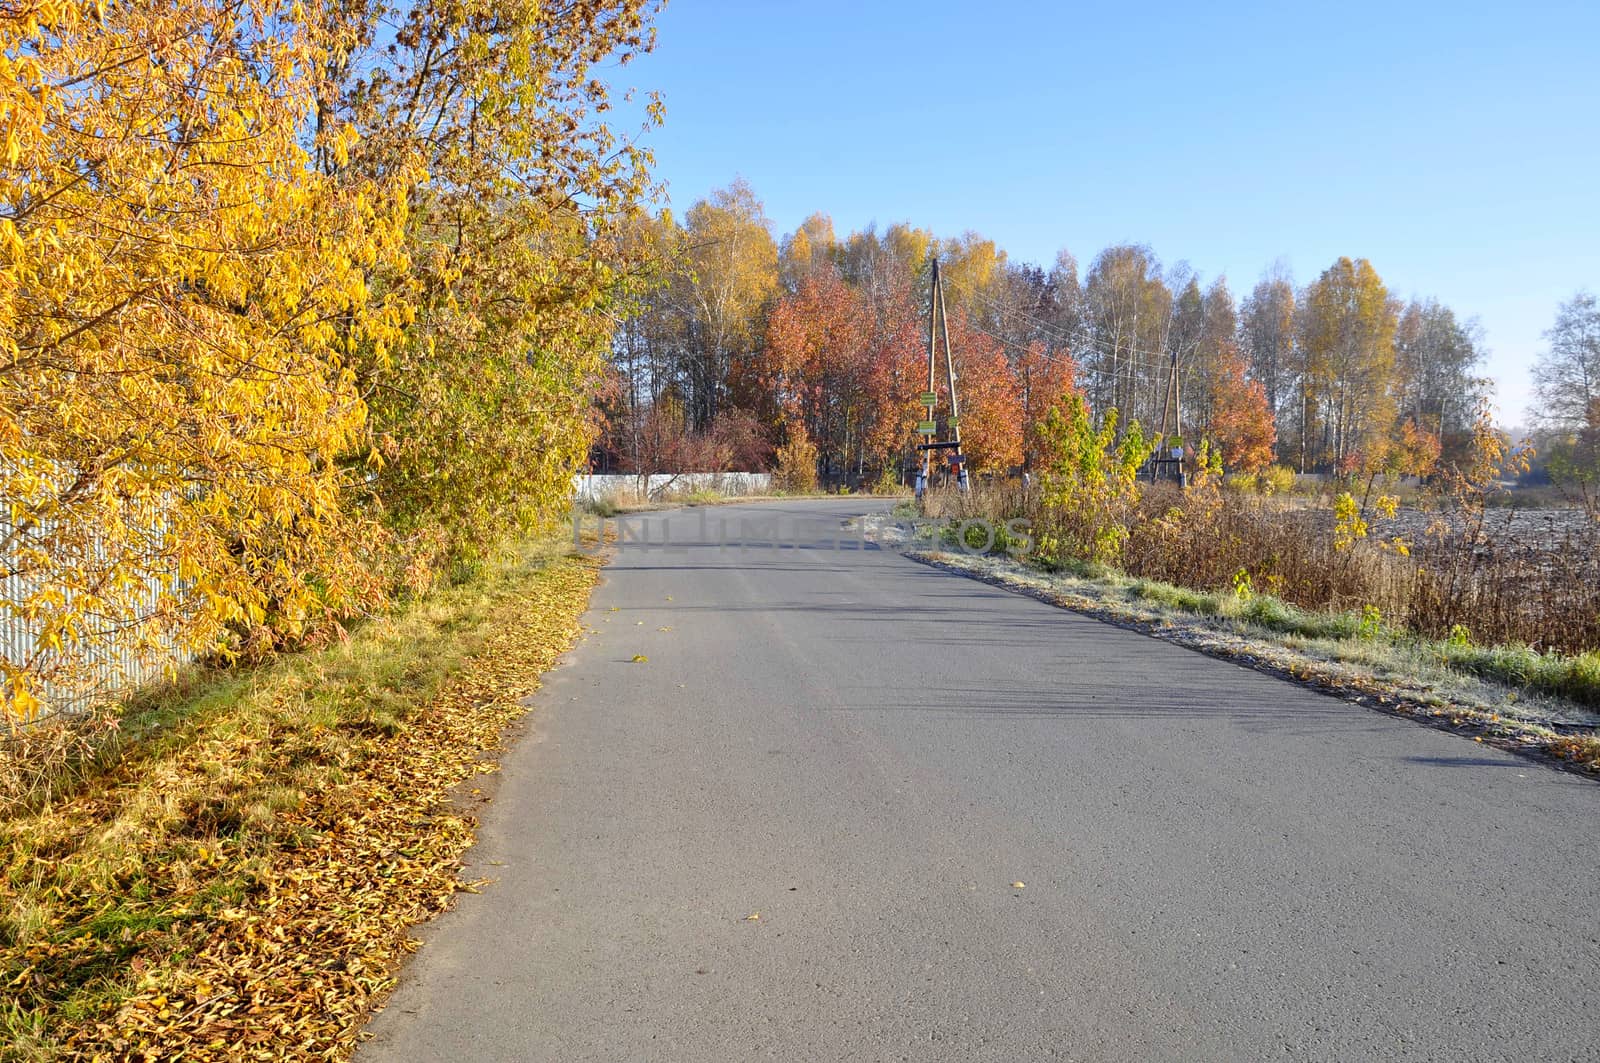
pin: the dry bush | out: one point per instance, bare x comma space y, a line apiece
1463, 576
796, 473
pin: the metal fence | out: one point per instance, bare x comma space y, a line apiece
129, 651
124, 653
597, 488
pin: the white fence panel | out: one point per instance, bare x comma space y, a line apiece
112, 661
597, 488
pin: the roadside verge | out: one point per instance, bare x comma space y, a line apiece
238, 879
1396, 678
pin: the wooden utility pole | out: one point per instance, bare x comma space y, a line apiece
924, 474
950, 378
939, 325
1166, 398
1166, 459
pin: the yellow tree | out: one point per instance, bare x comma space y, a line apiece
731, 277
488, 114
809, 249
177, 285
1348, 338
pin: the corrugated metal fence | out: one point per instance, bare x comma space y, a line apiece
124, 653
594, 488
109, 665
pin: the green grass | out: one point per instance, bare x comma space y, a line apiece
1576, 678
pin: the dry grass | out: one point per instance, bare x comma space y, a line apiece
1337, 653
1522, 612
239, 856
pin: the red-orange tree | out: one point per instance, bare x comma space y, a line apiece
1043, 380
991, 407
1241, 421
844, 369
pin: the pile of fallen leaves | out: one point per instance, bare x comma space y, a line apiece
239, 884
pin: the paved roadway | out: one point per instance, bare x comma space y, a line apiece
869, 753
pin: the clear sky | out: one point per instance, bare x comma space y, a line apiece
1453, 144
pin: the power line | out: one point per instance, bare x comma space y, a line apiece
1103, 346
1077, 366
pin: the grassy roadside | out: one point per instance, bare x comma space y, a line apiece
237, 880
1510, 697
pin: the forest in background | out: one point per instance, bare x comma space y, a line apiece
741, 341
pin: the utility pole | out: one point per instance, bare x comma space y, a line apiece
1169, 458
1166, 398
939, 325
950, 376
925, 473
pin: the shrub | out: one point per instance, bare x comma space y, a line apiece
797, 463
1276, 480
1088, 488
1270, 613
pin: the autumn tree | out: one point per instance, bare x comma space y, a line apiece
973, 268
808, 250
818, 365
1567, 380
1043, 380
731, 276
1127, 310
1347, 333
179, 287
282, 292
487, 117
1267, 333
1241, 418
1434, 383
991, 414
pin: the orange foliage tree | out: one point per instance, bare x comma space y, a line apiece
991, 403
1044, 380
1241, 421
843, 369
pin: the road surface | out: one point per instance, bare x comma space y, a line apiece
871, 754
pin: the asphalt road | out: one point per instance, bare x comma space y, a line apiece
869, 753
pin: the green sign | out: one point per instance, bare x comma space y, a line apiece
930, 399
955, 422
927, 428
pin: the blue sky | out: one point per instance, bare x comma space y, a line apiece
1455, 145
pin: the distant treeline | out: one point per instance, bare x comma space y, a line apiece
746, 339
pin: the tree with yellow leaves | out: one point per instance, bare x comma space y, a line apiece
177, 287
1348, 338
276, 295
488, 115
